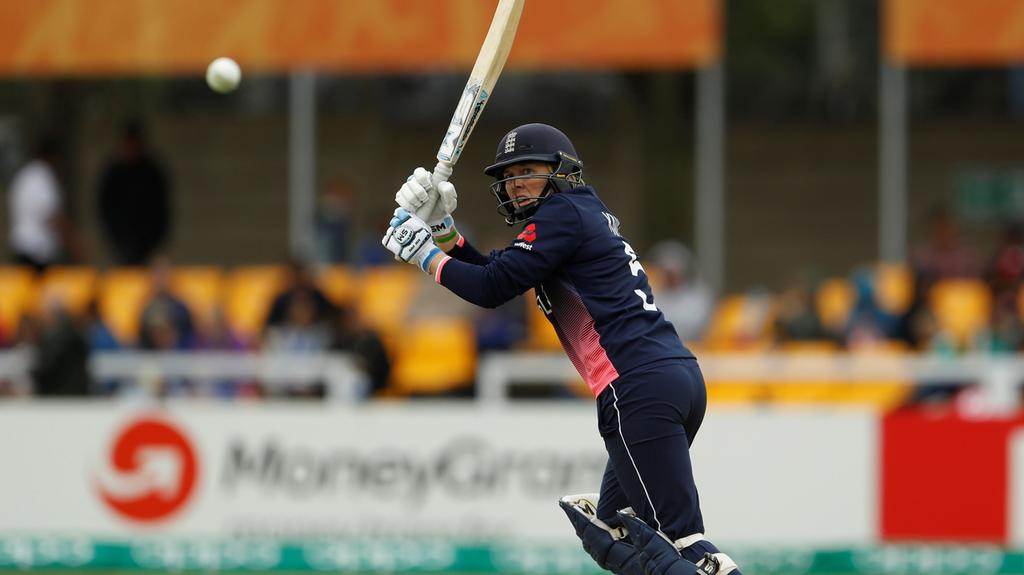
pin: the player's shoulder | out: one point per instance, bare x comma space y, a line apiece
556, 207
576, 200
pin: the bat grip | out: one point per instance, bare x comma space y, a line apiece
442, 171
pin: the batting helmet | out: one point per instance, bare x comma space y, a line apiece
534, 143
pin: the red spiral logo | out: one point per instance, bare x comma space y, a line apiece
152, 471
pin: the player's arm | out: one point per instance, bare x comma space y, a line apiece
508, 273
522, 266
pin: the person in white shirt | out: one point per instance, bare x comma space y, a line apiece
38, 226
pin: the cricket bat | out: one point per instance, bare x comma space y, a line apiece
486, 70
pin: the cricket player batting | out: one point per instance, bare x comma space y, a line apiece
589, 283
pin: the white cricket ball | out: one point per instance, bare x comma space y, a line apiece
223, 75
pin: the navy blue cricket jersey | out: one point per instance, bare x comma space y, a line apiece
588, 282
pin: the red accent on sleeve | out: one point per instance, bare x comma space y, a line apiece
440, 266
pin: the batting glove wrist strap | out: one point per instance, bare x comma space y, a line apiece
444, 230
425, 262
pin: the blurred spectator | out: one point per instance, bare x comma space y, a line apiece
100, 338
1006, 270
352, 335
300, 284
300, 331
868, 323
1004, 334
943, 255
134, 200
25, 339
60, 366
685, 299
334, 223
166, 322
41, 233
99, 334
215, 334
797, 317
369, 251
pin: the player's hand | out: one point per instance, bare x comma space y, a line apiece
409, 239
432, 198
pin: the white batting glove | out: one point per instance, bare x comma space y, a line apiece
432, 198
409, 239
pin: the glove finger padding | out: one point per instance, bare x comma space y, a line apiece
448, 198
423, 178
603, 543
412, 196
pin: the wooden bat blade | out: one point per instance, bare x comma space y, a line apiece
488, 66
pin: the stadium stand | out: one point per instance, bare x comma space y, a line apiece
384, 299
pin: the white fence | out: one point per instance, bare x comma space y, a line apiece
999, 377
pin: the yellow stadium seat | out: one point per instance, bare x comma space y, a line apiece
339, 283
17, 287
73, 286
540, 335
384, 297
122, 295
201, 288
248, 293
833, 301
894, 287
437, 355
739, 323
962, 307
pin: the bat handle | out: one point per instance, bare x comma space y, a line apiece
442, 171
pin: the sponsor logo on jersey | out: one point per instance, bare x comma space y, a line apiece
528, 234
523, 245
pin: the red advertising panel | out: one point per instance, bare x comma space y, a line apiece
946, 478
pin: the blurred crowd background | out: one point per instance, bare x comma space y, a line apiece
145, 212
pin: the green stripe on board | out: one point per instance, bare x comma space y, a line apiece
421, 556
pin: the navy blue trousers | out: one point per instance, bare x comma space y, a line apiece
648, 420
